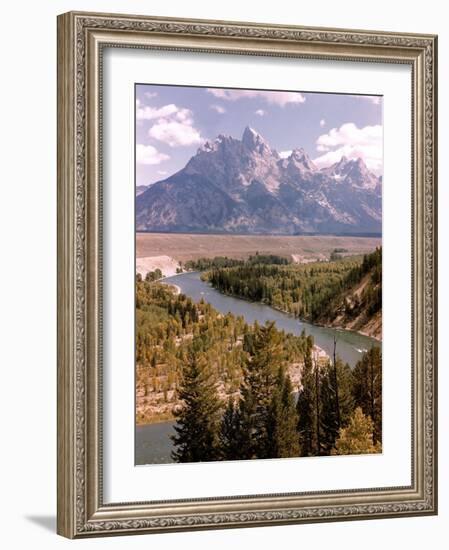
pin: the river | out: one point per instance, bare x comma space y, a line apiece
153, 444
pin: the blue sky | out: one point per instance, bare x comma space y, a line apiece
173, 121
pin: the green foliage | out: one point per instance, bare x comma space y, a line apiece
307, 409
198, 420
357, 437
334, 415
169, 327
153, 275
260, 377
227, 384
282, 420
311, 291
320, 416
337, 254
220, 262
231, 432
367, 389
263, 423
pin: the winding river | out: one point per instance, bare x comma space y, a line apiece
153, 444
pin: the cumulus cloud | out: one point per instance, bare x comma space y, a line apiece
147, 154
322, 122
218, 109
352, 142
173, 125
260, 112
150, 95
145, 112
175, 133
275, 98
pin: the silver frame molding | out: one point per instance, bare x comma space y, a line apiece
81, 38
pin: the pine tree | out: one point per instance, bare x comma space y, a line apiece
231, 432
260, 375
329, 410
368, 388
198, 420
308, 427
283, 420
328, 420
357, 437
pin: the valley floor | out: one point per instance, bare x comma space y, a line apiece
301, 249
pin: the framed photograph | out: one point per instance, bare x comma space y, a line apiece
246, 274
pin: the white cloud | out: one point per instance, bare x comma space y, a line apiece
285, 154
162, 172
275, 98
322, 122
145, 112
352, 142
260, 112
218, 108
173, 125
150, 95
175, 133
147, 154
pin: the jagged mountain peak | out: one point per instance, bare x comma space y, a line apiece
342, 162
301, 158
353, 172
253, 141
243, 186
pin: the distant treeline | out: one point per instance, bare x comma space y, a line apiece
218, 262
315, 292
233, 396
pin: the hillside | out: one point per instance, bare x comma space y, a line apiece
358, 304
345, 293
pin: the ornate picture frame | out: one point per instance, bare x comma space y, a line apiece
82, 39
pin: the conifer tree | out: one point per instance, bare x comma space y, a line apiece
231, 433
329, 412
283, 420
357, 437
328, 420
260, 375
368, 388
198, 420
309, 436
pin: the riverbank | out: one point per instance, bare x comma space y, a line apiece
155, 407
336, 326
349, 342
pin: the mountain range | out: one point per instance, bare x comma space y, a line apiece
244, 186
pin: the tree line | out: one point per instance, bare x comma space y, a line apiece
219, 262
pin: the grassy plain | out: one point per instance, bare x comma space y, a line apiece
182, 246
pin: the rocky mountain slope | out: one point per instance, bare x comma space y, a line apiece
244, 186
